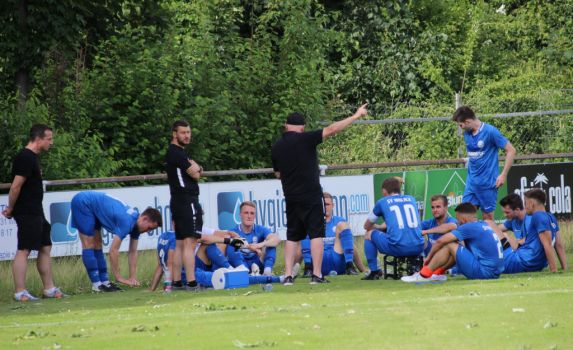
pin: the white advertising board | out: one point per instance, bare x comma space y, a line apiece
353, 199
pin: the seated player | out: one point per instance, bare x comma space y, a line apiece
517, 218
403, 236
166, 251
93, 210
537, 250
339, 252
260, 253
480, 256
441, 223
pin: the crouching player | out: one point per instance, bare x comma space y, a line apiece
339, 252
480, 257
93, 210
540, 236
166, 251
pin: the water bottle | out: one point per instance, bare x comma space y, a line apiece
267, 287
332, 273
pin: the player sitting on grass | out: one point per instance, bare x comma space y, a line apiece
540, 236
480, 256
203, 271
516, 218
261, 252
441, 223
93, 210
403, 236
339, 251
166, 251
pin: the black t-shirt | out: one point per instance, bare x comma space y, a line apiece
295, 157
176, 165
29, 201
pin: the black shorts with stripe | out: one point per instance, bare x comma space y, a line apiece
187, 216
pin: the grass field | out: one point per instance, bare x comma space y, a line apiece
529, 311
526, 311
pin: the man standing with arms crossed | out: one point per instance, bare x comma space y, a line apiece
186, 212
295, 162
482, 144
25, 206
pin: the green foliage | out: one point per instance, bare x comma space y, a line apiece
112, 76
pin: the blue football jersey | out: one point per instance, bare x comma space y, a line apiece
531, 252
330, 232
482, 150
402, 219
554, 227
114, 215
517, 226
431, 223
258, 234
480, 239
165, 243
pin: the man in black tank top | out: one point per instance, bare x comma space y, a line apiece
186, 212
295, 162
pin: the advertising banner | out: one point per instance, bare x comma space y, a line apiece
555, 179
352, 196
423, 184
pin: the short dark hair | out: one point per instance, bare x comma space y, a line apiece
537, 194
178, 123
392, 184
513, 200
438, 197
154, 215
247, 203
38, 131
462, 114
466, 208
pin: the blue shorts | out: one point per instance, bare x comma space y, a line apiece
513, 263
333, 261
470, 267
484, 198
83, 218
381, 242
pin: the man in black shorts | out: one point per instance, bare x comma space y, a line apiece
25, 206
295, 162
186, 212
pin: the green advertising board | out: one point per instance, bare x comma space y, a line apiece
423, 184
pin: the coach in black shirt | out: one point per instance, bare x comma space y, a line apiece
186, 212
25, 206
295, 162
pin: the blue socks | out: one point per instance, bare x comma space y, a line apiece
218, 260
235, 257
347, 242
270, 257
101, 265
371, 253
305, 247
91, 264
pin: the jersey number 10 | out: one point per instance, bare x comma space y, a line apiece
409, 213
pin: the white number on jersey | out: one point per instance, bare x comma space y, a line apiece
499, 247
410, 213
